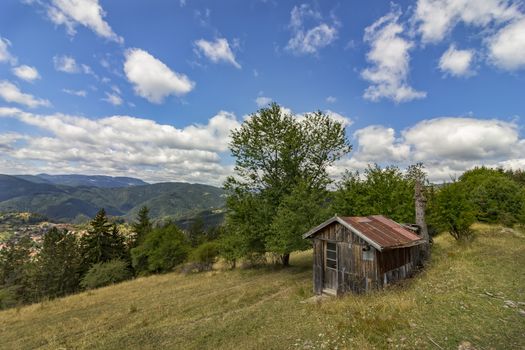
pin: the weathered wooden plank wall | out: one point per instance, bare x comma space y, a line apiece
355, 273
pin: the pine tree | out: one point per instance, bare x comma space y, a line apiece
58, 264
142, 226
102, 242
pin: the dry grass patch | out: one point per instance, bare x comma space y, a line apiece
459, 297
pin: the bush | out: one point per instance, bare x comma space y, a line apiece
103, 274
8, 297
204, 256
162, 250
453, 211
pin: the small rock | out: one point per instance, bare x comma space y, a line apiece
465, 345
521, 312
510, 303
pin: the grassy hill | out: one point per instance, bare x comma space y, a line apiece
460, 297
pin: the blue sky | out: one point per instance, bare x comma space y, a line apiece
152, 88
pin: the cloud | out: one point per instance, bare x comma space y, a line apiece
80, 93
507, 47
378, 143
263, 101
462, 139
10, 93
435, 19
5, 55
66, 64
456, 62
125, 145
339, 117
389, 56
331, 99
152, 79
309, 40
87, 13
26, 73
113, 98
447, 146
217, 51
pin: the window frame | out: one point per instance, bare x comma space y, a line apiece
333, 261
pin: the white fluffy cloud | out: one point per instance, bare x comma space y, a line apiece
309, 40
447, 146
217, 51
87, 13
331, 99
436, 18
389, 56
11, 93
124, 145
507, 47
263, 101
26, 73
152, 79
5, 55
378, 143
457, 62
462, 139
113, 98
66, 64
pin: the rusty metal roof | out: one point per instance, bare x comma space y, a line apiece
377, 230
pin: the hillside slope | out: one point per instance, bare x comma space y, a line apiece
176, 200
460, 297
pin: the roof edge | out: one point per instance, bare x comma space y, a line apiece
348, 226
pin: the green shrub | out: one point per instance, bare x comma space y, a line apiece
204, 256
8, 297
453, 211
162, 250
103, 274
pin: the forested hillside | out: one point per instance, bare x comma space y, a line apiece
174, 200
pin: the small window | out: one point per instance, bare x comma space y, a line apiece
331, 255
368, 255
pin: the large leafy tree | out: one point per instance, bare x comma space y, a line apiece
385, 191
496, 196
274, 152
453, 211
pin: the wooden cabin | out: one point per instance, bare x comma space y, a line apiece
360, 254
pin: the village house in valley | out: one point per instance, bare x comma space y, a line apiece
361, 253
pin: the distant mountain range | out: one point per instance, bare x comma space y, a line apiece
77, 198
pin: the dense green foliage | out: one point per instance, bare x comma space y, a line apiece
164, 248
453, 211
58, 264
204, 256
102, 242
496, 195
378, 191
17, 271
106, 273
142, 226
276, 153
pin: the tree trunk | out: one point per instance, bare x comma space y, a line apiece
420, 205
285, 259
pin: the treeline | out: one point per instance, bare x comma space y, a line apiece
65, 263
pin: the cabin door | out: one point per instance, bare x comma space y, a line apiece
330, 266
